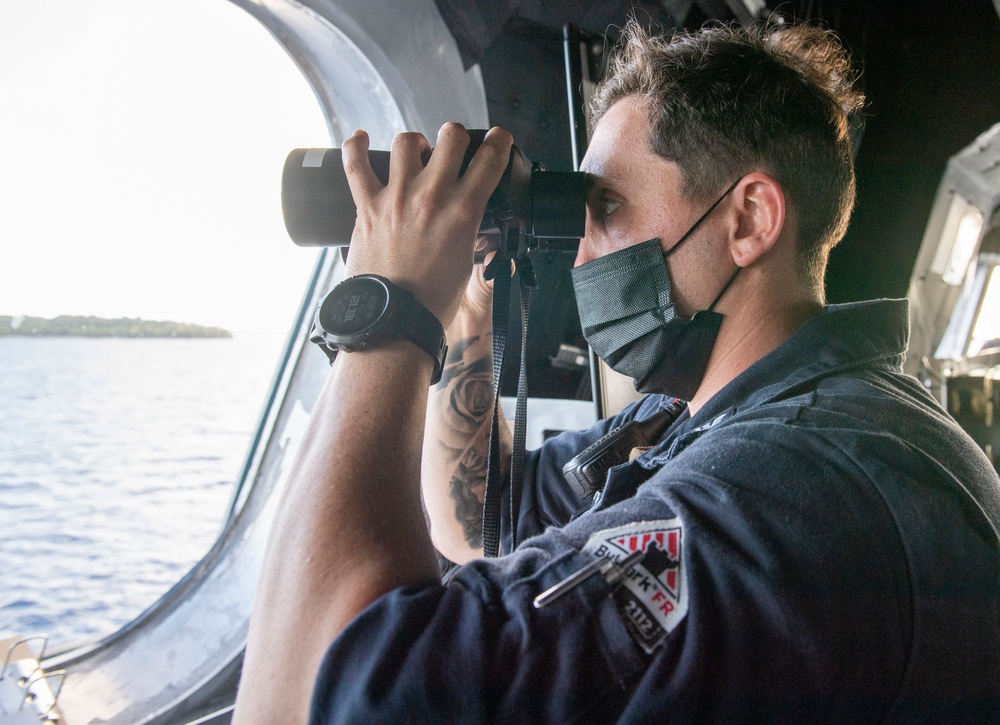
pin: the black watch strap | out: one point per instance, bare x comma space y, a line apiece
421, 327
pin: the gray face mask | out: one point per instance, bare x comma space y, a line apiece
630, 319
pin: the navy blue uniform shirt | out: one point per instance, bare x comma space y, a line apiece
820, 545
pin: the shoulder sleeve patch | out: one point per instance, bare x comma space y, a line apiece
653, 596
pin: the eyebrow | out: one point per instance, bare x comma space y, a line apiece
598, 182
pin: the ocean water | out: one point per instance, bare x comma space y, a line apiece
118, 459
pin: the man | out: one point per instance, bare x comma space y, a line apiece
812, 539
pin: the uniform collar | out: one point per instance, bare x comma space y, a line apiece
871, 334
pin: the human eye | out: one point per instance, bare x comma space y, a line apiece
602, 199
608, 205
603, 203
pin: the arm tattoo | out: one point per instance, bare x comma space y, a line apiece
468, 489
466, 388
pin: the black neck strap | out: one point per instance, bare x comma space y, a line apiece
499, 270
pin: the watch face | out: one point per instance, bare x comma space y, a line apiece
353, 306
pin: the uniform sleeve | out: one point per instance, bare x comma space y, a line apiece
477, 650
755, 600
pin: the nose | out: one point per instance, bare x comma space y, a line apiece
582, 255
586, 251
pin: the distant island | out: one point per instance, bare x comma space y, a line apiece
76, 326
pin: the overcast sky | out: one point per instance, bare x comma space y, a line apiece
141, 145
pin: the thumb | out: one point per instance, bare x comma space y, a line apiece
479, 292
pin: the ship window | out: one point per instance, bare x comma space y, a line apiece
141, 147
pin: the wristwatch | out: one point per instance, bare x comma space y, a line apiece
366, 311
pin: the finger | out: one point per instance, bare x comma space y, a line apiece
360, 178
479, 291
485, 247
488, 164
452, 142
488, 258
408, 150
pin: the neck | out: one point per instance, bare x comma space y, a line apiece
749, 332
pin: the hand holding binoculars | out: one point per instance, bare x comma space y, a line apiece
548, 207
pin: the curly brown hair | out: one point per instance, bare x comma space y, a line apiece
727, 100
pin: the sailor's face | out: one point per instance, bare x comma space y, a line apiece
635, 194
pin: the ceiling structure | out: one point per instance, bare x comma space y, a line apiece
928, 68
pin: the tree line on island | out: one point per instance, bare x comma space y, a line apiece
90, 326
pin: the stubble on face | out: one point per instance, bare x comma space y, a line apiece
645, 192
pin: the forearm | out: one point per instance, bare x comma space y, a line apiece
456, 442
349, 527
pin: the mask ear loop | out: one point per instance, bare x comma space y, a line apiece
724, 288
702, 218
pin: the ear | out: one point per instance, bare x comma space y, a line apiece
758, 208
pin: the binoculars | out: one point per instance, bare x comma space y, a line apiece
548, 207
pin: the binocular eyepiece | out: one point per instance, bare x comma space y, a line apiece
549, 207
